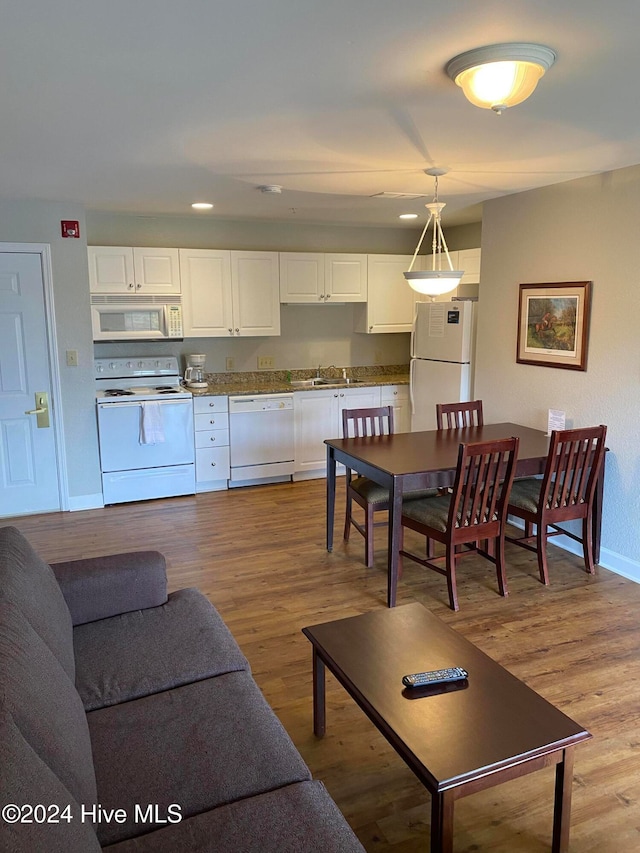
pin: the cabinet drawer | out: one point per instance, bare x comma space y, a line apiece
219, 403
211, 420
212, 463
212, 438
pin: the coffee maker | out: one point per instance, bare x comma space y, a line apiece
194, 374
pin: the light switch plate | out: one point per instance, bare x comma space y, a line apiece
72, 358
266, 362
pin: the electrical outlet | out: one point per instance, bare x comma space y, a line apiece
72, 358
266, 362
228, 363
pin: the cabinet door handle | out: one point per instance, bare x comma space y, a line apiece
230, 331
138, 286
237, 331
213, 464
212, 405
212, 438
130, 285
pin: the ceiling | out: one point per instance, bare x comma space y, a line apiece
145, 107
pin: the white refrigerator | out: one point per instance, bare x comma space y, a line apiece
441, 369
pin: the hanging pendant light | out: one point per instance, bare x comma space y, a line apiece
435, 281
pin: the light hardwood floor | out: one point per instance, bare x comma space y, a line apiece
259, 554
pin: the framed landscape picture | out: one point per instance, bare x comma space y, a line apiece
553, 324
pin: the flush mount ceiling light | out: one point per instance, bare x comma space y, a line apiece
435, 281
408, 216
500, 75
201, 205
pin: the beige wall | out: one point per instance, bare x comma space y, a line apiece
583, 230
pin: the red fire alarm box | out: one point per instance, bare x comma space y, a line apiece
70, 228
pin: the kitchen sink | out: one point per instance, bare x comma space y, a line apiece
323, 382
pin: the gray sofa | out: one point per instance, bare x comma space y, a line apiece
129, 720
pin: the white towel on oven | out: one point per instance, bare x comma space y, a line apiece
151, 426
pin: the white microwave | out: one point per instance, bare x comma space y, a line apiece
136, 318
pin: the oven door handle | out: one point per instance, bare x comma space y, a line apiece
141, 402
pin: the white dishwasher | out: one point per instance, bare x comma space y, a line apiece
261, 439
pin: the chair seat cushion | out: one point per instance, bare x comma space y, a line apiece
376, 494
525, 494
432, 512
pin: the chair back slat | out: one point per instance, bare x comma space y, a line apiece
363, 422
459, 415
483, 481
573, 465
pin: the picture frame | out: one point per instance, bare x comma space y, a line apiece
553, 324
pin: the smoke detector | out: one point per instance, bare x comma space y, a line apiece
272, 189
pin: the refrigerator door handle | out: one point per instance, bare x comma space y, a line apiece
413, 331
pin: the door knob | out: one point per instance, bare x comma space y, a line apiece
41, 410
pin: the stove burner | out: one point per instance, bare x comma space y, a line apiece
117, 392
163, 388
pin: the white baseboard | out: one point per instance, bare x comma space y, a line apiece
86, 502
608, 559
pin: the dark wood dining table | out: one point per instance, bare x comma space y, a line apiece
408, 461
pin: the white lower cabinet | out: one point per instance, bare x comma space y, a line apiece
398, 397
211, 420
318, 415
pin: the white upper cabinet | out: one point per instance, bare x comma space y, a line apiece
255, 291
467, 260
391, 302
317, 278
229, 293
142, 271
207, 310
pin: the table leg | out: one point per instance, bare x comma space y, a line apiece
441, 823
562, 805
395, 527
319, 711
331, 496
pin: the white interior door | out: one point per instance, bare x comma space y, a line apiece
28, 457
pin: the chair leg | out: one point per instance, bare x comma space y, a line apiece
347, 518
430, 548
587, 545
368, 539
500, 564
450, 558
541, 545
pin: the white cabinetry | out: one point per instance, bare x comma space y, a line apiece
464, 259
317, 278
318, 415
211, 420
390, 305
229, 293
398, 397
123, 269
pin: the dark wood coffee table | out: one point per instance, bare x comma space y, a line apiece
489, 730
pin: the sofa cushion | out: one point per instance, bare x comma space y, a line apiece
300, 818
26, 780
44, 704
198, 746
30, 584
146, 651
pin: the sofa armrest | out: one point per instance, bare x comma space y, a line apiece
99, 587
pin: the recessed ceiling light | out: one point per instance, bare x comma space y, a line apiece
408, 216
201, 205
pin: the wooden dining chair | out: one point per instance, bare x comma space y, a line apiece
475, 510
458, 415
566, 492
367, 494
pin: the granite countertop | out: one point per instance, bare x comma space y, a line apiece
279, 381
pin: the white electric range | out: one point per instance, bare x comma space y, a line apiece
145, 427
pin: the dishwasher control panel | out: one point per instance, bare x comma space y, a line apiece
260, 403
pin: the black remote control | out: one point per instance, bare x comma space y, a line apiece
436, 676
